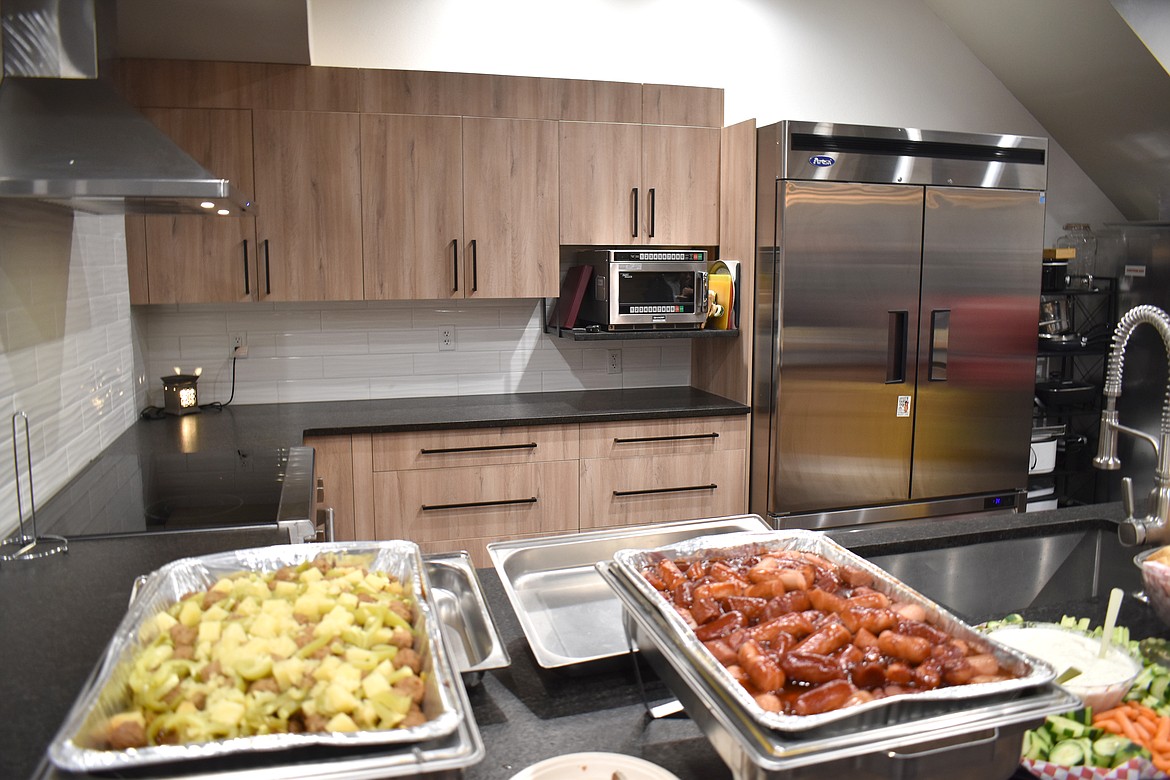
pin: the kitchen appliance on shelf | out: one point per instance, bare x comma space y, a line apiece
895, 321
645, 289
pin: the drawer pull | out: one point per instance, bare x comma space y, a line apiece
469, 504
486, 448
650, 491
679, 437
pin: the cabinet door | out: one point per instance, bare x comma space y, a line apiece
600, 165
193, 259
412, 206
510, 207
308, 193
680, 176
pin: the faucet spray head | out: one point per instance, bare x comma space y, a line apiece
1106, 458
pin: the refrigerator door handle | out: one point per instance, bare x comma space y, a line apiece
940, 337
896, 347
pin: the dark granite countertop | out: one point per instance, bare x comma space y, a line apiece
111, 488
524, 713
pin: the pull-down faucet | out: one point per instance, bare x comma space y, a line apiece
1154, 528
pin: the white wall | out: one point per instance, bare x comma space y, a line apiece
67, 360
887, 62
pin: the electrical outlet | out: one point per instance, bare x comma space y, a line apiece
613, 361
446, 337
239, 346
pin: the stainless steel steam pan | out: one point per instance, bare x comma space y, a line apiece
971, 740
567, 612
106, 696
1030, 672
473, 640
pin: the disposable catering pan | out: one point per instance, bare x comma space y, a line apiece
568, 614
972, 740
1029, 672
105, 696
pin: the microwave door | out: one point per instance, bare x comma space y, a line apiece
842, 405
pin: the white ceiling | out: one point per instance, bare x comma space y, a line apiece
1076, 65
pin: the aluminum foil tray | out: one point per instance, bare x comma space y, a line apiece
105, 697
1030, 672
567, 612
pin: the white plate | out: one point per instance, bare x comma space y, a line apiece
593, 766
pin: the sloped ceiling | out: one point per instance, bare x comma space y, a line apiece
1087, 77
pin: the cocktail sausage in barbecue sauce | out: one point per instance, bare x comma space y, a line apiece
806, 636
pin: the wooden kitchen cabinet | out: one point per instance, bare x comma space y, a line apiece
308, 191
660, 470
412, 206
459, 207
198, 259
639, 184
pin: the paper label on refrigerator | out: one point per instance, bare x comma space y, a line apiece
903, 406
1134, 270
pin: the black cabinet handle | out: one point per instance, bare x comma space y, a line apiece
455, 263
267, 270
474, 267
635, 212
651, 491
896, 347
652, 203
679, 437
247, 283
471, 504
486, 448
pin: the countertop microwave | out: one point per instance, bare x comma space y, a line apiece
645, 289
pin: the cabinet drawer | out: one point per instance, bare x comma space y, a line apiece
625, 491
477, 447
429, 505
641, 438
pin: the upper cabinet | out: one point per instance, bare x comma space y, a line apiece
510, 207
394, 185
459, 207
639, 184
194, 259
308, 192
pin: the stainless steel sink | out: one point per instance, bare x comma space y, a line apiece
1067, 569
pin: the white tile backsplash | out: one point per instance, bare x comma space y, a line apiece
67, 360
390, 349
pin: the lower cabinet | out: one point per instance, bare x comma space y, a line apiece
453, 490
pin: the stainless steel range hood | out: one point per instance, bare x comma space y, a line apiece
67, 137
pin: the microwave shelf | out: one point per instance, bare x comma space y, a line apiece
582, 334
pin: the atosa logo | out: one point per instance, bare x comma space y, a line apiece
821, 161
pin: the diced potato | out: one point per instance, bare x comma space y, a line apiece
311, 574
190, 613
210, 631
226, 712
342, 723
373, 684
348, 676
338, 699
347, 600
327, 668
284, 589
288, 672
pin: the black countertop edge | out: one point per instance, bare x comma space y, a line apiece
568, 407
933, 532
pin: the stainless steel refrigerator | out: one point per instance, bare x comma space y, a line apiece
898, 282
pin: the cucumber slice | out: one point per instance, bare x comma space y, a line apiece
1066, 728
1108, 745
1067, 752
